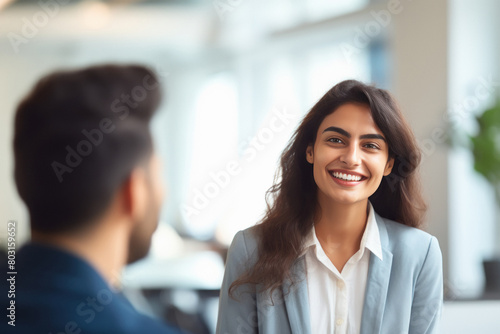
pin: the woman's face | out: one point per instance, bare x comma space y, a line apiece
350, 155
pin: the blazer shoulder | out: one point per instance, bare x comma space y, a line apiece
401, 231
402, 237
244, 247
249, 237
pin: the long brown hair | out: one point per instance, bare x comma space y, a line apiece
292, 199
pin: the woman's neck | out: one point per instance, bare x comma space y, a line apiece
339, 224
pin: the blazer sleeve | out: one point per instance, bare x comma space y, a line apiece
237, 313
428, 295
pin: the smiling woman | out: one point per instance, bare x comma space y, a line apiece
351, 151
339, 249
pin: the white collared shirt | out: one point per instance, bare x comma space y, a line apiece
336, 298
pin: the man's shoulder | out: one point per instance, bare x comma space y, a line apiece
69, 296
45, 309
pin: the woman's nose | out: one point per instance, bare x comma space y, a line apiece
351, 156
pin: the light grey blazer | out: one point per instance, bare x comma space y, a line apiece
404, 291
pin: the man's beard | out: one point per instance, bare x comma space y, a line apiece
140, 238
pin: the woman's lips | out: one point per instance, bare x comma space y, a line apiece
347, 178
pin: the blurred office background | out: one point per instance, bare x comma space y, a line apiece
238, 76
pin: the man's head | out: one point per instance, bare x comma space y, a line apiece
82, 144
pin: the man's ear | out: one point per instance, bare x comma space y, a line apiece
388, 166
309, 154
135, 193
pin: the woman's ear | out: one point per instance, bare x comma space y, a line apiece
388, 166
309, 154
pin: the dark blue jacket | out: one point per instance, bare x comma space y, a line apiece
57, 292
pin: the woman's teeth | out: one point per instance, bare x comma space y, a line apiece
346, 177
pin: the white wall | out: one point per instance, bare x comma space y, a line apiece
474, 74
470, 317
420, 84
444, 52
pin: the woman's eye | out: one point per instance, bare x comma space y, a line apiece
335, 140
372, 146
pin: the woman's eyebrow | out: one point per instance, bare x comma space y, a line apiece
373, 136
348, 135
339, 130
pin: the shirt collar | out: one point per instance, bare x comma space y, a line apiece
371, 236
370, 239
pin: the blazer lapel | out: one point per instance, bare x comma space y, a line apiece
297, 299
377, 284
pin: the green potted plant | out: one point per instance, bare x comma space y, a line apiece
486, 151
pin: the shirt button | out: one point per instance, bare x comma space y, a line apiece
341, 285
339, 322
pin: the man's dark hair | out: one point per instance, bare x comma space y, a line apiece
78, 135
